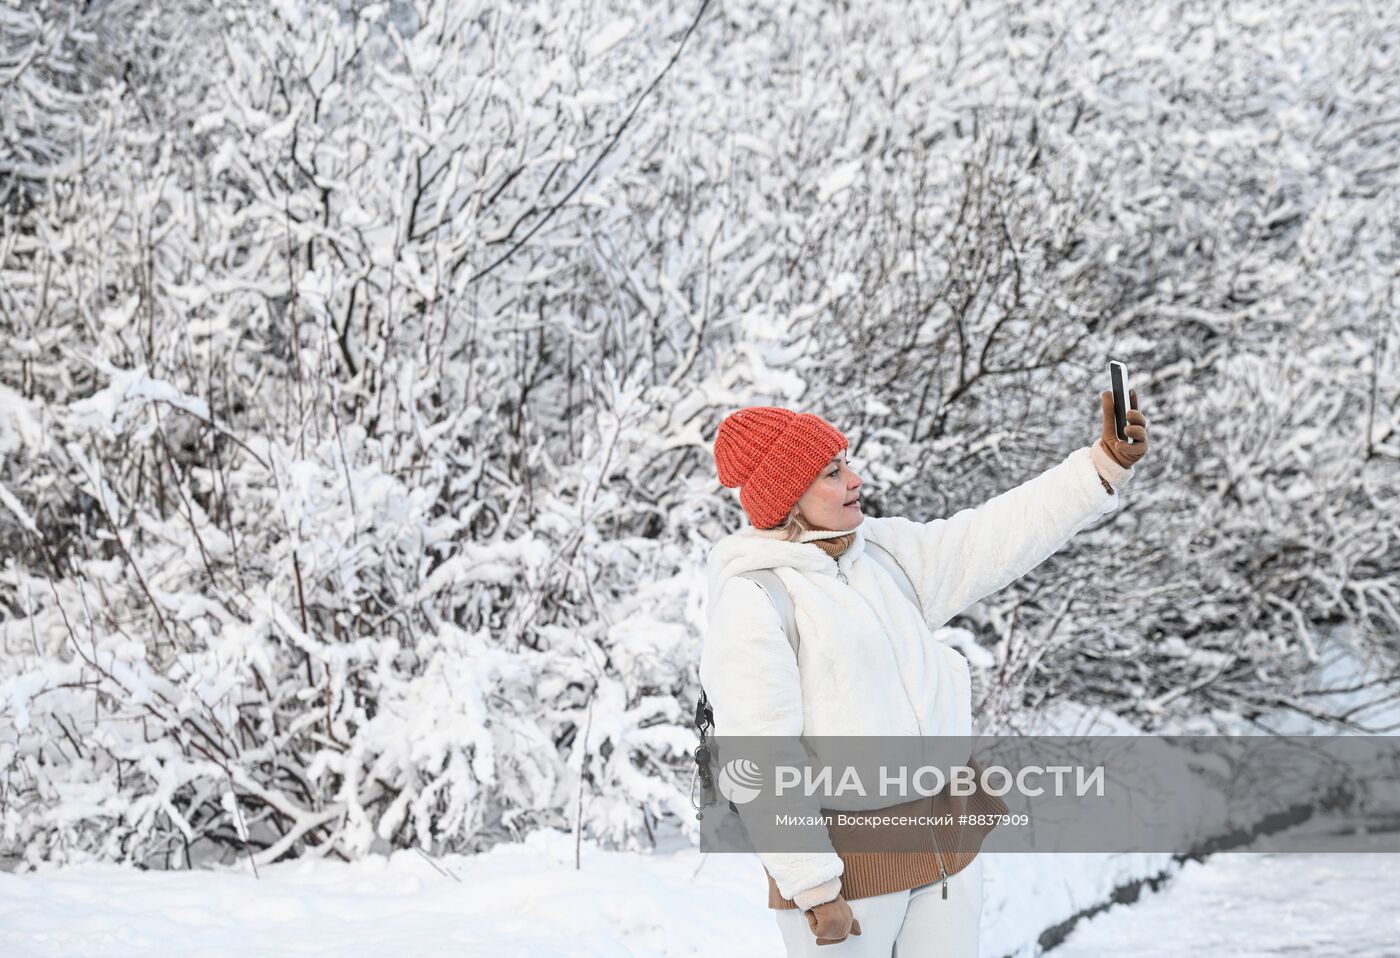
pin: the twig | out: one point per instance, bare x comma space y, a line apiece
441, 869
549, 214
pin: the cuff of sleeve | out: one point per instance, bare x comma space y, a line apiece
1107, 466
818, 895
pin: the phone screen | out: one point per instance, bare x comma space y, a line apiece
1119, 374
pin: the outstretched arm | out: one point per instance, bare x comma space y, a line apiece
959, 560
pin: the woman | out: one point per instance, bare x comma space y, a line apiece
868, 663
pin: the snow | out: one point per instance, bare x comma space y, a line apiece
1258, 903
19, 420
841, 178
609, 37
8, 500
108, 409
527, 899
521, 900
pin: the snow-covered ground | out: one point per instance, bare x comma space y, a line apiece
527, 900
1258, 904
522, 900
515, 900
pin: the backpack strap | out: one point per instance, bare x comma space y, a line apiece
901, 578
778, 594
769, 582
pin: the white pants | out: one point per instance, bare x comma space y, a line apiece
917, 923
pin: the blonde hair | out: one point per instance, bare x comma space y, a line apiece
793, 526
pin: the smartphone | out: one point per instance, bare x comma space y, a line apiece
1119, 374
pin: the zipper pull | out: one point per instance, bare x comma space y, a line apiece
933, 832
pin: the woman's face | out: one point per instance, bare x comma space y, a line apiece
832, 501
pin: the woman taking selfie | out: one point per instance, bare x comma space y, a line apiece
868, 662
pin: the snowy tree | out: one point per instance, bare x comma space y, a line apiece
362, 370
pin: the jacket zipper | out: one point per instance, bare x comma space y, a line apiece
933, 833
933, 829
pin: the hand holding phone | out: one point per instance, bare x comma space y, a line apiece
1124, 426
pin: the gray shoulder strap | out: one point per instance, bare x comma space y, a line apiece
886, 558
769, 582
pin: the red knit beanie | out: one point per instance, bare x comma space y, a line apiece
773, 455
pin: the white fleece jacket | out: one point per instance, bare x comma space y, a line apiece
868, 663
